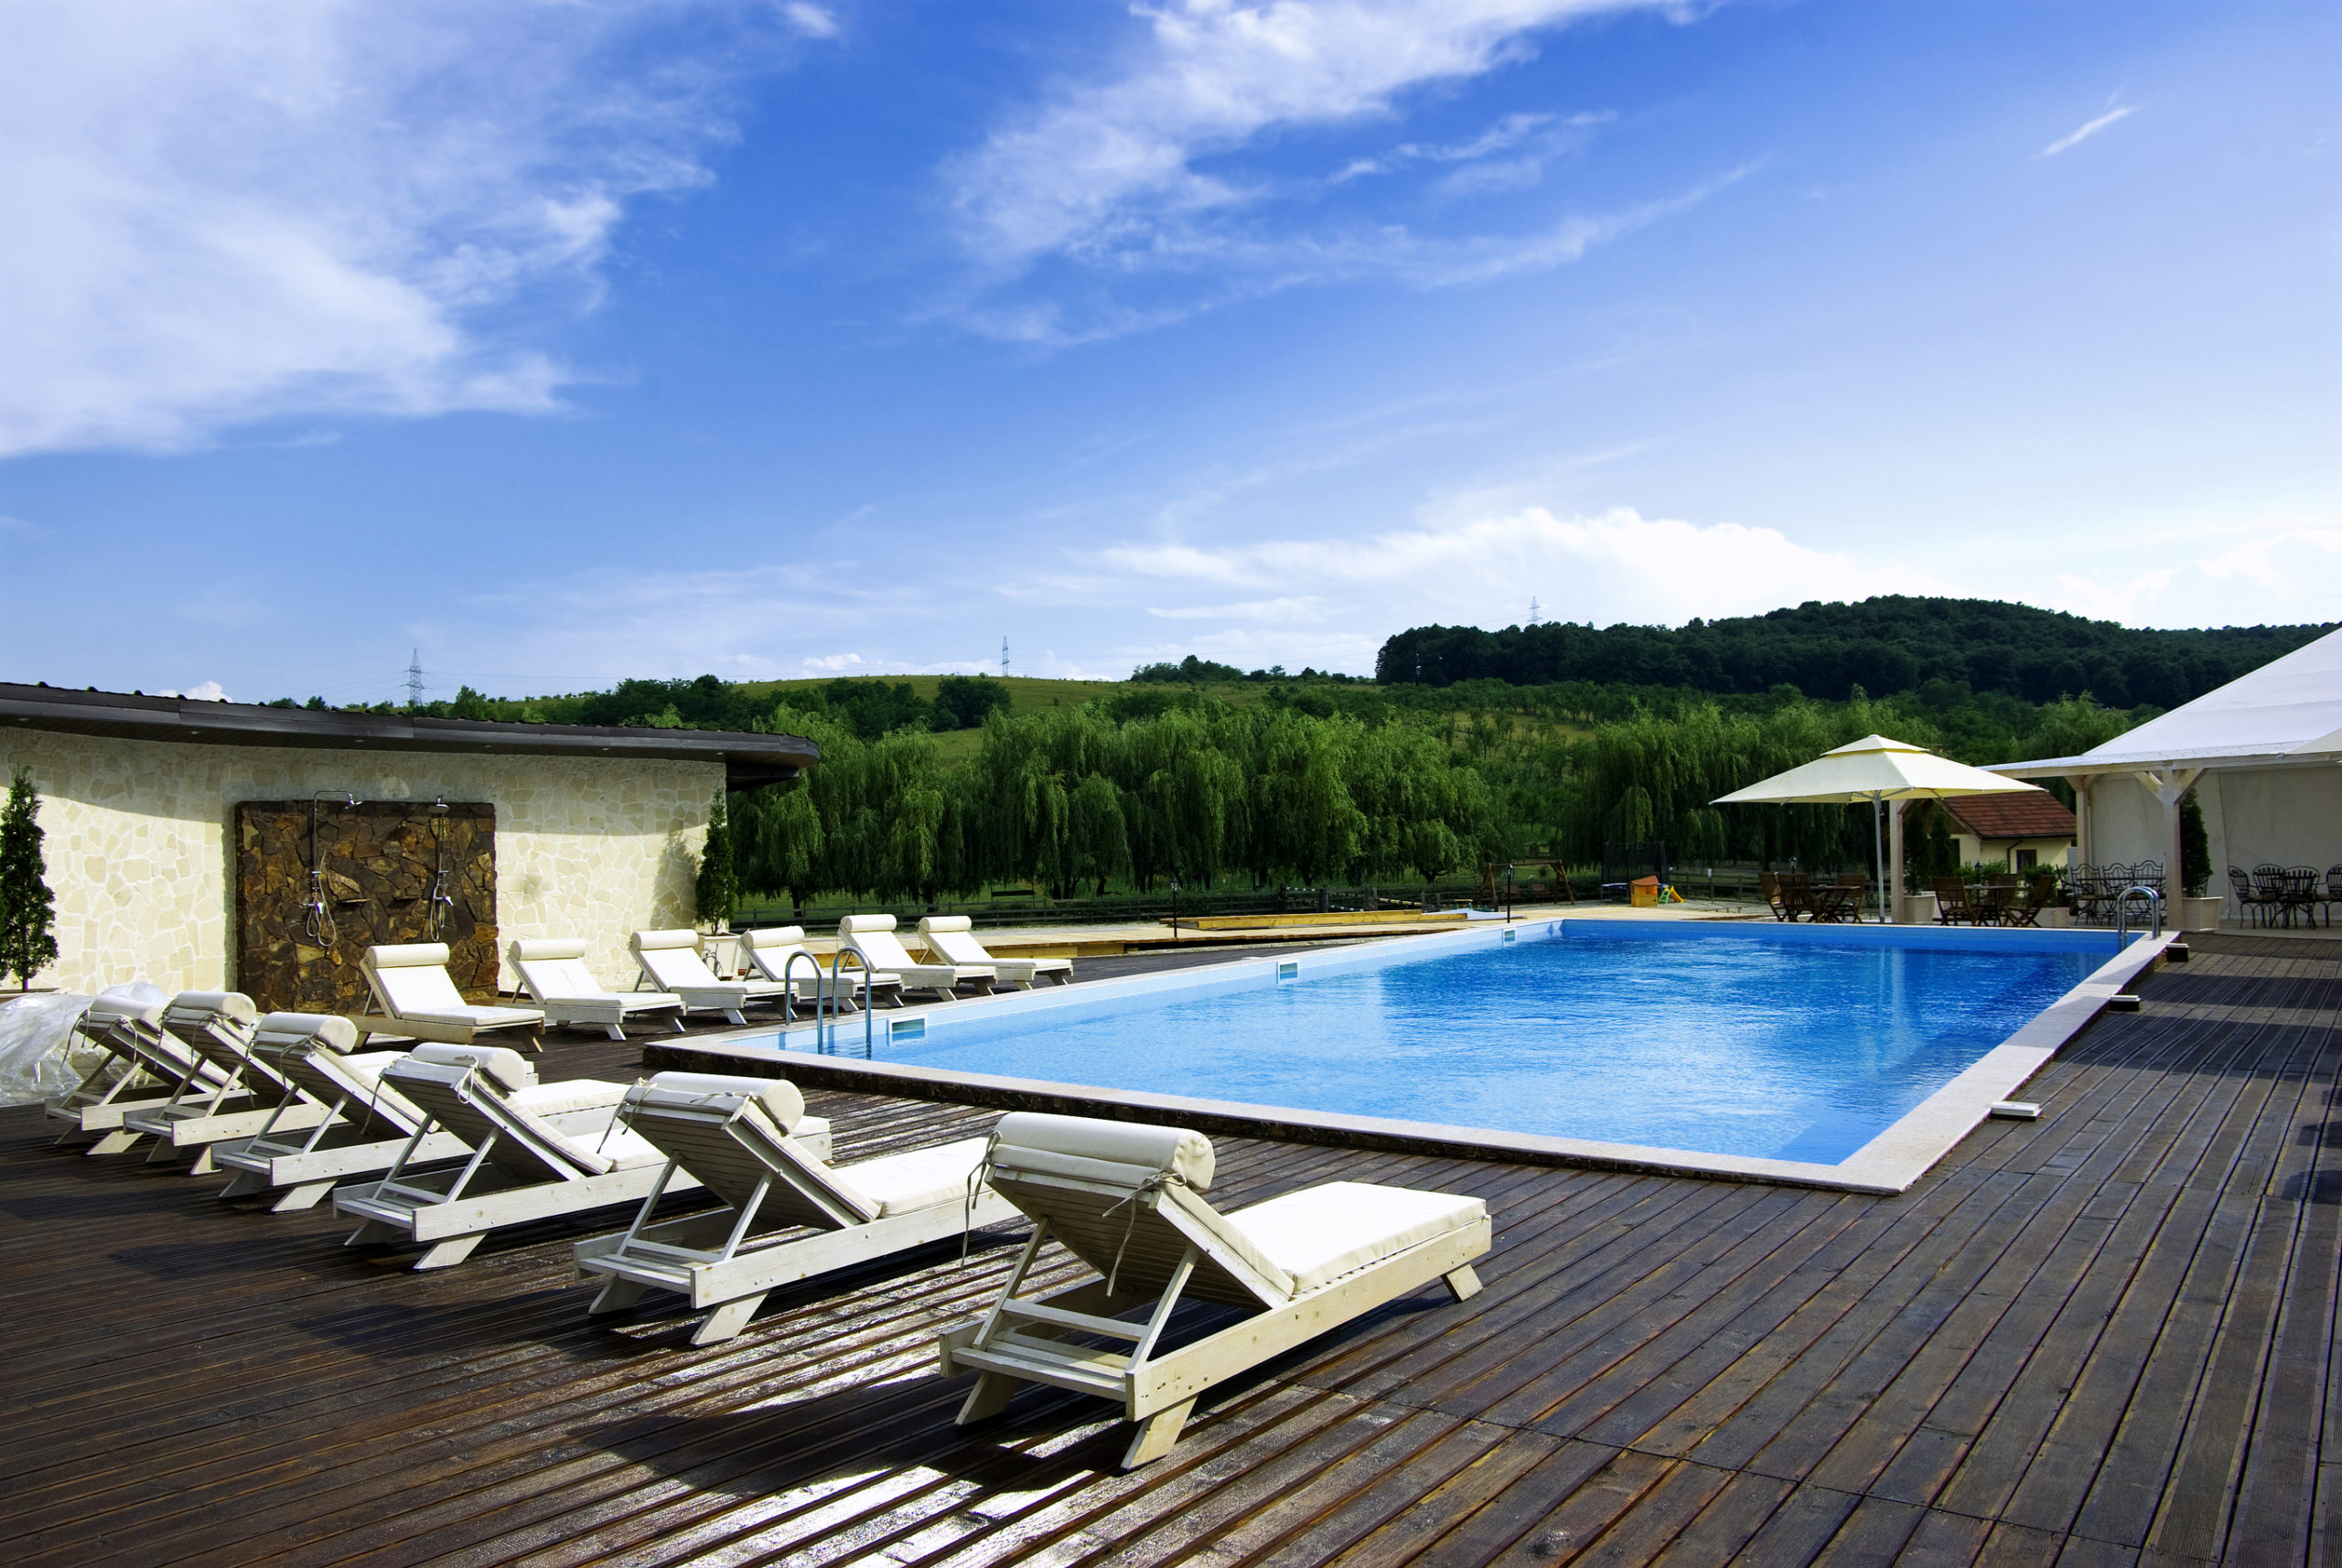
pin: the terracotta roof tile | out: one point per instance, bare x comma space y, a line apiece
2026, 816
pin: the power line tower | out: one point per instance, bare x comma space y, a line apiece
415, 679
1004, 655
1536, 616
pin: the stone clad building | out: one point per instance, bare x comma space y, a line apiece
209, 846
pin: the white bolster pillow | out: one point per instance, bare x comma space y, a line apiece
1131, 1145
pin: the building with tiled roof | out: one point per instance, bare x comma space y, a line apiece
2024, 830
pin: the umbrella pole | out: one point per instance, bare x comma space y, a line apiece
1878, 837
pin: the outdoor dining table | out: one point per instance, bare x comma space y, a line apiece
1995, 901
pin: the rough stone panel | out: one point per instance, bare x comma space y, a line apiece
380, 862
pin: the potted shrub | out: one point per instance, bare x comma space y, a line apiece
2195, 912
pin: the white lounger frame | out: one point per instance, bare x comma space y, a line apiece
553, 975
433, 1009
725, 1262
670, 960
1172, 1246
301, 1171
871, 937
142, 1070
246, 1099
767, 950
952, 939
513, 1177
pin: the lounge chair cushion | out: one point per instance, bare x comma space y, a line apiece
1320, 1233
854, 924
946, 923
1127, 1153
654, 940
508, 1067
330, 1030
773, 937
922, 1178
608, 1148
231, 1005
546, 947
570, 1094
408, 955
779, 1098
108, 1008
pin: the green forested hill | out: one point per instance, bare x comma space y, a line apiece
1882, 645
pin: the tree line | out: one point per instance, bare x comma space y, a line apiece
1082, 799
1071, 799
1888, 644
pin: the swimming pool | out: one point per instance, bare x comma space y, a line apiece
1757, 1044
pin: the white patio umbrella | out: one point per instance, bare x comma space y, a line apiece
1876, 770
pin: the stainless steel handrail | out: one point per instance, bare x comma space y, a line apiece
2153, 896
789, 997
869, 995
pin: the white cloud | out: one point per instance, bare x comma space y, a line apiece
2084, 133
251, 207
1109, 174
1616, 566
813, 21
201, 691
1211, 76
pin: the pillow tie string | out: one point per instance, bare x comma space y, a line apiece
978, 1175
1153, 1184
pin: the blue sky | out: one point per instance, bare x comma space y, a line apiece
570, 341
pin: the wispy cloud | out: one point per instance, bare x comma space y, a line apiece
1229, 268
1133, 173
257, 207
813, 21
1581, 567
2082, 134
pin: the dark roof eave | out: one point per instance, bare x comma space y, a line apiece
749, 759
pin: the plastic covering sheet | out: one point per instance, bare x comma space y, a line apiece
39, 1053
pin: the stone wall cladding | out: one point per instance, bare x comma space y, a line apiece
139, 831
382, 863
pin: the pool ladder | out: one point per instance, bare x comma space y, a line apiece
828, 993
2153, 896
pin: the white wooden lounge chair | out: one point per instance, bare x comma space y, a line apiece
141, 1070
370, 1126
671, 961
949, 937
524, 1165
552, 972
787, 1214
420, 1003
1126, 1199
246, 1096
376, 1124
767, 952
873, 936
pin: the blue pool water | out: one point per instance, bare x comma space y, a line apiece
1728, 1043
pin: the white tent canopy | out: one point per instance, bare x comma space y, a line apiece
2288, 710
1876, 770
2271, 738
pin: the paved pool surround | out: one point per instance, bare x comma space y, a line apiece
1889, 1162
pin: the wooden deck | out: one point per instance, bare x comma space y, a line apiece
2105, 1336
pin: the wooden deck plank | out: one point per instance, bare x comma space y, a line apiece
2105, 1331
